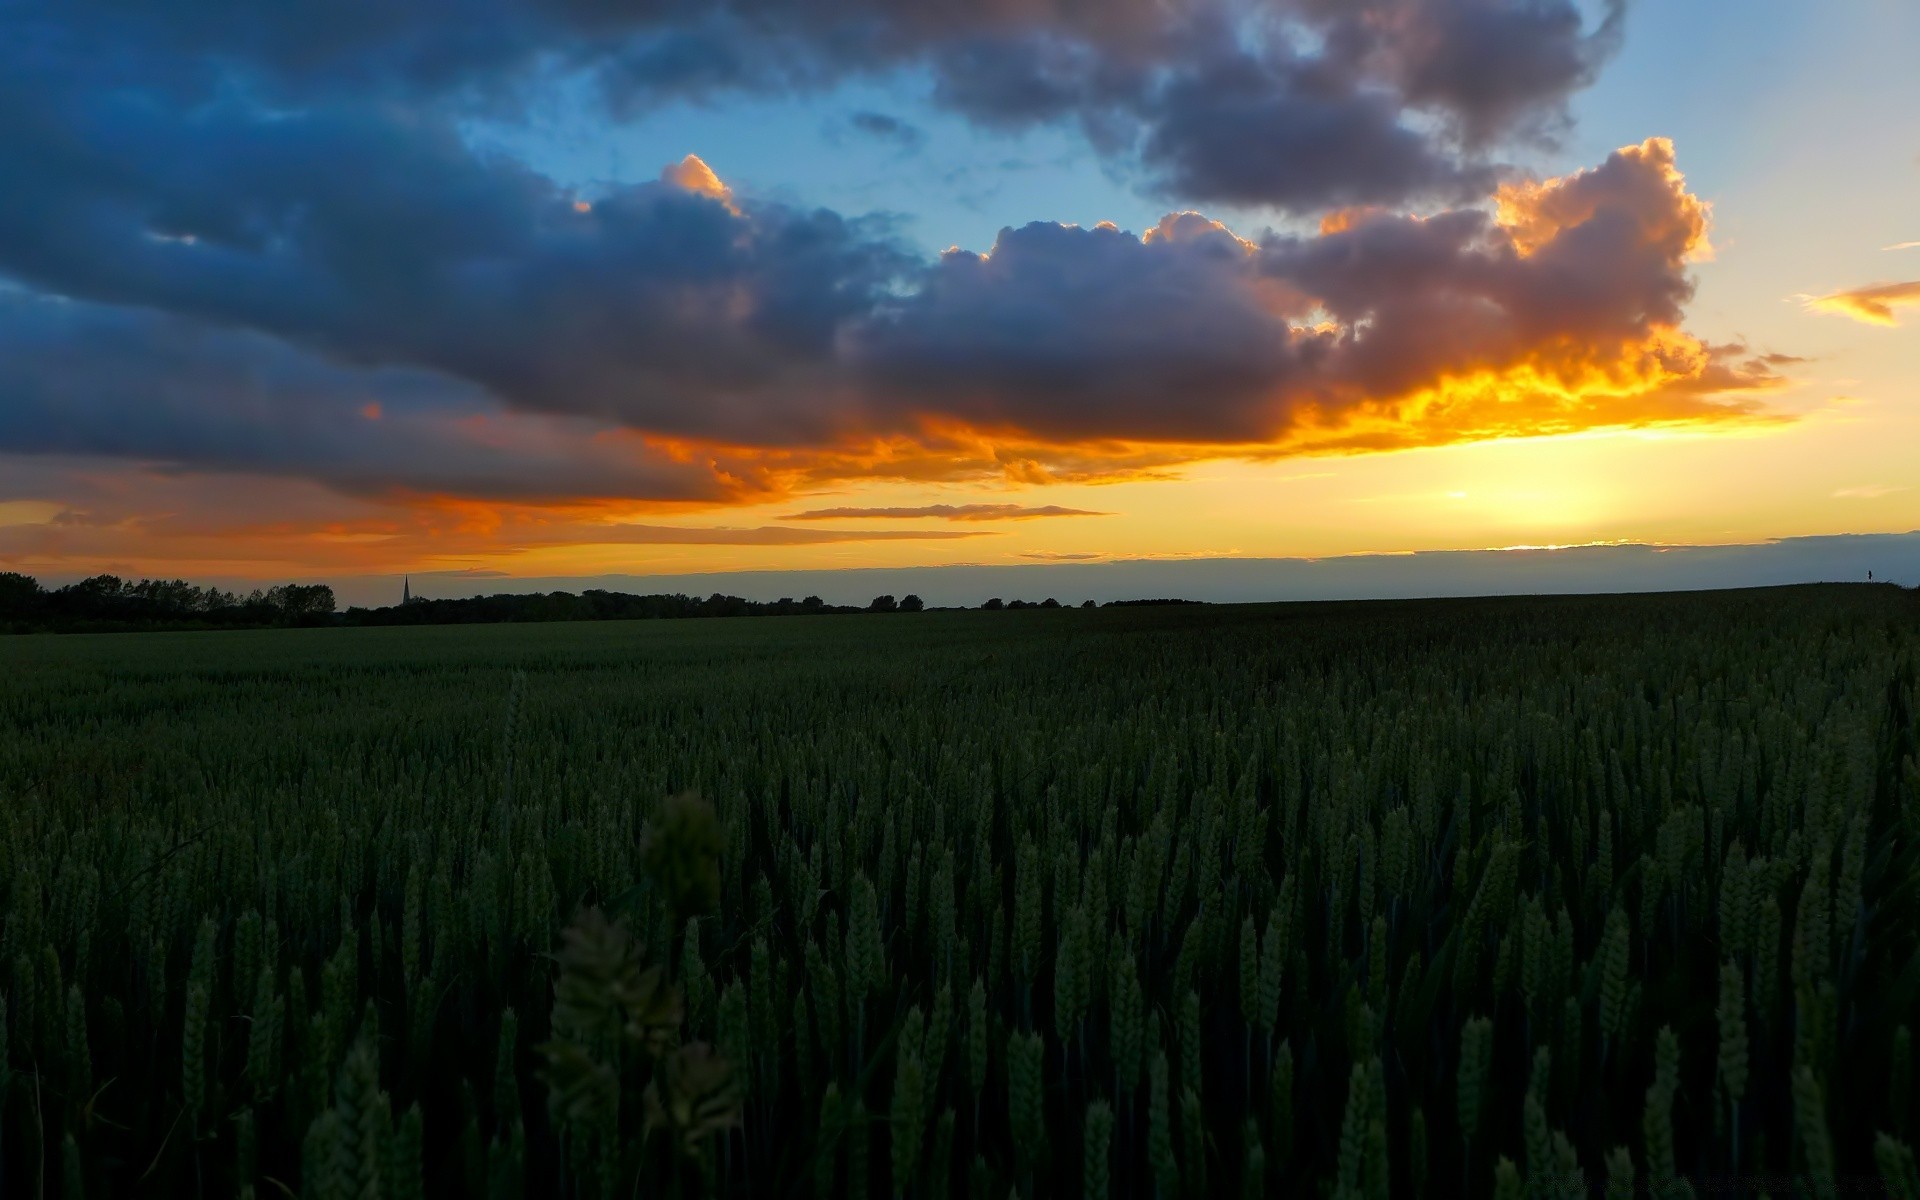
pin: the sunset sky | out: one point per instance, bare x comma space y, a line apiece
581, 287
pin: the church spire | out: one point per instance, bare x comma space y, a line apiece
406, 590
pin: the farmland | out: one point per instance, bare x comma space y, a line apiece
1528, 897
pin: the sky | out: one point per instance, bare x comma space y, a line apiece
544, 290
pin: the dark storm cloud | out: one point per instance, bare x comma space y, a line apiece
1210, 100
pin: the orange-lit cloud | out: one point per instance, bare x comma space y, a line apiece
277, 302
1562, 315
1873, 304
679, 348
1342, 219
1639, 183
945, 512
149, 523
692, 174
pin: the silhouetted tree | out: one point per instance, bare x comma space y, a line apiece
882, 604
994, 605
20, 595
912, 604
300, 601
1049, 602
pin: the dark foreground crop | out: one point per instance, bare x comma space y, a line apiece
1520, 897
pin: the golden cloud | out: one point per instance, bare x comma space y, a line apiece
1873, 304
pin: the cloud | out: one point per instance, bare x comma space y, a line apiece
1242, 130
29, 512
381, 239
761, 535
946, 512
244, 293
1238, 111
1562, 312
138, 520
83, 379
901, 135
1873, 304
1491, 67
1289, 103
1903, 246
247, 242
1060, 556
692, 174
1871, 491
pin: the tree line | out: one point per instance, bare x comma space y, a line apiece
108, 603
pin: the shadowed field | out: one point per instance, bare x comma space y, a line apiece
1520, 896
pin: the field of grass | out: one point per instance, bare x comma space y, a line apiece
1532, 897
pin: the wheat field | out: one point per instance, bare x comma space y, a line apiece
1531, 897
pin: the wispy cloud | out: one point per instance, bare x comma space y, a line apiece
1873, 303
1871, 491
761, 535
1903, 246
1060, 556
462, 573
945, 512
29, 512
902, 135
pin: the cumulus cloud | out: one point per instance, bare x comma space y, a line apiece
1873, 304
946, 512
1063, 333
692, 174
675, 341
380, 238
1562, 310
255, 241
